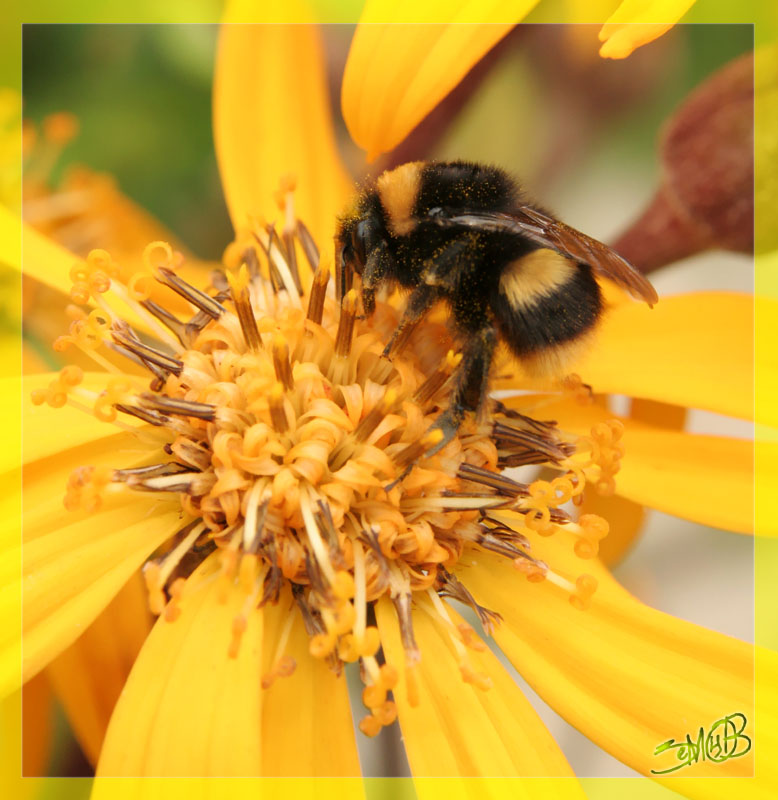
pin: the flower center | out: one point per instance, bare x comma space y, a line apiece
299, 454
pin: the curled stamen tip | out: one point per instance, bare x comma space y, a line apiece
585, 587
370, 726
478, 679
163, 252
373, 696
535, 571
322, 644
470, 638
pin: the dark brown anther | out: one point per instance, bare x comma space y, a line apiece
255, 540
501, 546
248, 323
281, 362
326, 524
454, 588
152, 417
371, 420
251, 260
520, 447
501, 483
219, 281
190, 453
166, 318
308, 245
195, 325
153, 471
274, 580
194, 483
348, 314
402, 607
318, 293
178, 407
415, 450
430, 387
291, 252
197, 298
148, 354
158, 373
275, 402
274, 242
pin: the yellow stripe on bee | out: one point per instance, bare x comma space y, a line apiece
397, 191
538, 274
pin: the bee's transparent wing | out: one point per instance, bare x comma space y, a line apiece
549, 232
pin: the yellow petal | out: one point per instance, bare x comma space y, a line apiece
188, 709
397, 73
693, 350
637, 22
74, 563
44, 260
72, 573
89, 676
627, 676
227, 788
41, 421
707, 479
457, 729
272, 118
306, 718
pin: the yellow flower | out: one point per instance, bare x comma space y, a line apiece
626, 675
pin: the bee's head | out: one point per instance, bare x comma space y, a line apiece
352, 244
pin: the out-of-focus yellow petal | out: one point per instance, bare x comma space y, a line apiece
44, 260
626, 675
457, 729
229, 789
188, 709
398, 70
89, 676
693, 350
42, 422
74, 563
638, 22
707, 479
272, 118
320, 741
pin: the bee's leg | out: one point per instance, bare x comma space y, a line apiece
420, 301
379, 264
471, 382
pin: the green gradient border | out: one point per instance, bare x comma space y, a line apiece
764, 16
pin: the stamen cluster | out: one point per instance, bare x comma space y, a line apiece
299, 453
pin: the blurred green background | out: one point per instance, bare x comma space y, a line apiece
545, 107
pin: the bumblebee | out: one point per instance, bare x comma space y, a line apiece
464, 233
